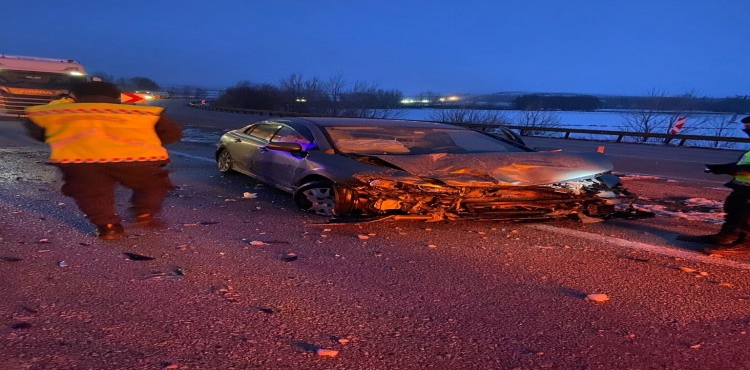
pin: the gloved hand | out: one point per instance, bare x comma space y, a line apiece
722, 169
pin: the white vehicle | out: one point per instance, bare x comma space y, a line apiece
27, 81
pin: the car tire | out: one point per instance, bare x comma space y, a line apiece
316, 197
224, 161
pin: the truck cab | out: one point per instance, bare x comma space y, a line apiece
26, 81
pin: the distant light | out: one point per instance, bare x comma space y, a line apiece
300, 100
75, 73
412, 101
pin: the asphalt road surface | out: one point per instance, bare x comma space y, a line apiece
240, 282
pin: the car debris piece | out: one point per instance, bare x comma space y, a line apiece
327, 352
21, 325
227, 292
138, 257
62, 264
598, 298
289, 257
158, 275
266, 310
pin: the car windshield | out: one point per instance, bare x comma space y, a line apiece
414, 140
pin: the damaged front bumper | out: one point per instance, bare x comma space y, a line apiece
594, 198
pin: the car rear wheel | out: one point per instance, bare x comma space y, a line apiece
317, 197
224, 161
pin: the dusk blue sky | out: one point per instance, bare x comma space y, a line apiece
469, 46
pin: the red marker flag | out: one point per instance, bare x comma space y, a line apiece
677, 126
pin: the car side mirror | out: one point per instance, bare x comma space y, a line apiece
290, 147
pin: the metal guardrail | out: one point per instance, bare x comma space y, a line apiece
523, 130
681, 139
255, 112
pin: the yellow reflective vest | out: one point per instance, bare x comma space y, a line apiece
743, 177
99, 132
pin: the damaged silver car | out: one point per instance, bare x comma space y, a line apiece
361, 168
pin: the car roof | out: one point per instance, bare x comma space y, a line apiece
344, 121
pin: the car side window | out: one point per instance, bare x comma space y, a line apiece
264, 131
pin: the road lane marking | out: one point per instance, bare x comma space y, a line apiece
181, 154
665, 251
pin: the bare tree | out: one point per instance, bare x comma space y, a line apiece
537, 119
469, 116
367, 100
720, 125
647, 116
291, 89
314, 98
335, 89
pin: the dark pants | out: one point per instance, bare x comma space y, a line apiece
737, 218
92, 186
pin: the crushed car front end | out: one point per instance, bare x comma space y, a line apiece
589, 197
527, 186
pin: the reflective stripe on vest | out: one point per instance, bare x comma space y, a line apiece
100, 132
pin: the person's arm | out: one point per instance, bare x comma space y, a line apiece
167, 130
33, 130
728, 168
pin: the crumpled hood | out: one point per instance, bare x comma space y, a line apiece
488, 169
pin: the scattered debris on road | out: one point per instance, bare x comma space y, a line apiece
598, 298
137, 257
327, 352
289, 257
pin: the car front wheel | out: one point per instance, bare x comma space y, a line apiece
317, 197
224, 161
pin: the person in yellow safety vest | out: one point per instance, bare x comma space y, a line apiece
734, 235
98, 143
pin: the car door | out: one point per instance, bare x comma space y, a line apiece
245, 146
279, 167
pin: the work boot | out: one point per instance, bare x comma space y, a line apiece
147, 220
728, 249
110, 231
